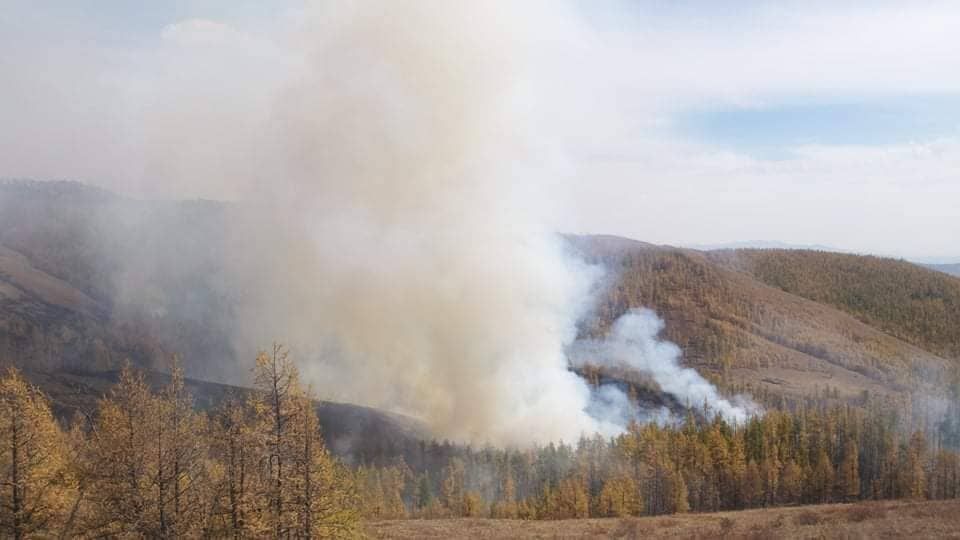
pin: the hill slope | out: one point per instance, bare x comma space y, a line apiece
89, 280
742, 330
913, 303
67, 323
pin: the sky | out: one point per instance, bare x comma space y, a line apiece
809, 123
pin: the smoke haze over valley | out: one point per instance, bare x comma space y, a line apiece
397, 181
393, 178
401, 268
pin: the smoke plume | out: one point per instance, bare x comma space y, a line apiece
633, 345
405, 172
399, 168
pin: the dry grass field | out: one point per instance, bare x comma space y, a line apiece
893, 519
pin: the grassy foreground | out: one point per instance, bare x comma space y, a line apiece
885, 519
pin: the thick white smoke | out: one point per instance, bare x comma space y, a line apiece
407, 169
633, 344
399, 166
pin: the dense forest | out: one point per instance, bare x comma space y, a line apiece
148, 464
904, 299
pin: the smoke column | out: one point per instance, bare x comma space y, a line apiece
398, 168
421, 179
633, 344
405, 168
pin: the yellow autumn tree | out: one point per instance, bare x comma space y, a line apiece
147, 469
116, 461
236, 450
36, 480
308, 494
620, 497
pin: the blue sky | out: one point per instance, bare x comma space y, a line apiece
689, 122
773, 131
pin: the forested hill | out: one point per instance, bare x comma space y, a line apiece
779, 324
790, 323
903, 299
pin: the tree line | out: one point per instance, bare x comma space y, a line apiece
810, 456
146, 463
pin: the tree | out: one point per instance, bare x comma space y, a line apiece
424, 495
821, 478
147, 461
308, 494
620, 497
452, 489
848, 477
36, 480
572, 501
791, 483
913, 477
181, 439
506, 505
120, 498
753, 485
236, 449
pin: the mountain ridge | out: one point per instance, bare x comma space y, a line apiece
762, 322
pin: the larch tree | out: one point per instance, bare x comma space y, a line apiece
848, 477
236, 449
119, 491
147, 462
309, 494
36, 483
180, 471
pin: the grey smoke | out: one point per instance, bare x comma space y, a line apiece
399, 168
633, 344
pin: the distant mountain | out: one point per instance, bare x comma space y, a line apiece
764, 244
89, 280
952, 269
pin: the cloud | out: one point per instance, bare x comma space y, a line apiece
102, 101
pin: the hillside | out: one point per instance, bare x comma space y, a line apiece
745, 332
89, 280
66, 321
912, 303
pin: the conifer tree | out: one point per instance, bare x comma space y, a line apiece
235, 447
308, 494
36, 481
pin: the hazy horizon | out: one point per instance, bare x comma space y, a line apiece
808, 123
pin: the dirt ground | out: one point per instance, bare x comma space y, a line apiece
893, 519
